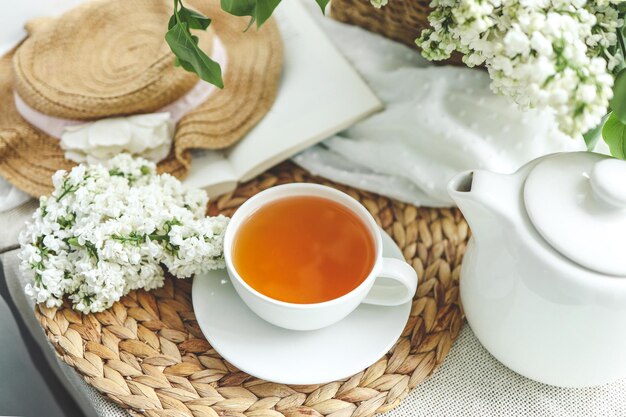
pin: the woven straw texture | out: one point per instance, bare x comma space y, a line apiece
148, 354
400, 20
66, 69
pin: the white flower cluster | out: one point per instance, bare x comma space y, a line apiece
105, 231
542, 53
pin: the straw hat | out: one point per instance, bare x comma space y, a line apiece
108, 58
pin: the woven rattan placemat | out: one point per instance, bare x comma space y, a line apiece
148, 354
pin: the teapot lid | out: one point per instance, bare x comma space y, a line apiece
577, 202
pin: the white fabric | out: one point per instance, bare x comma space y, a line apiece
147, 135
438, 121
11, 197
471, 382
12, 20
52, 126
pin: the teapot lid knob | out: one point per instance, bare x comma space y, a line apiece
608, 181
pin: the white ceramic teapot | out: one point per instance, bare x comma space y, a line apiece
543, 281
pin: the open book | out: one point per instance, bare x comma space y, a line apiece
320, 94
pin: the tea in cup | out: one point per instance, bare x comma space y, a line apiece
304, 256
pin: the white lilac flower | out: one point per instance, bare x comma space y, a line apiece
106, 231
556, 54
379, 3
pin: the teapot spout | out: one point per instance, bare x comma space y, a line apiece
487, 200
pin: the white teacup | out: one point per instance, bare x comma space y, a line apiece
390, 282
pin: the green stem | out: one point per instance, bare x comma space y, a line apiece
620, 39
141, 239
66, 192
176, 10
158, 237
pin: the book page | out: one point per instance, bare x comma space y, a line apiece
211, 171
320, 94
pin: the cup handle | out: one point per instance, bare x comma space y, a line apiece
392, 294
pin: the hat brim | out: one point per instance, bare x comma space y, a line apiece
29, 157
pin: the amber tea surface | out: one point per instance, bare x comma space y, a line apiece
303, 250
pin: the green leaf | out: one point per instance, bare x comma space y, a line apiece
614, 134
258, 10
264, 10
191, 57
592, 136
322, 4
184, 65
239, 7
618, 102
194, 19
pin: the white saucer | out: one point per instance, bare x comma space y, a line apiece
293, 357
